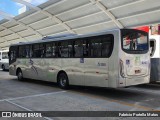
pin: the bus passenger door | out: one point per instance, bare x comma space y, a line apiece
12, 59
36, 62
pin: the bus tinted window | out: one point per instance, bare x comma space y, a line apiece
63, 49
49, 50
31, 51
22, 53
70, 48
78, 48
95, 47
41, 50
86, 48
101, 46
98, 46
54, 50
134, 41
107, 45
13, 54
27, 51
38, 51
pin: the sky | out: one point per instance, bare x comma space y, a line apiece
11, 7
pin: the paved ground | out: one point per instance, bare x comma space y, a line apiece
32, 95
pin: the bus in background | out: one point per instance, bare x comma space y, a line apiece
114, 58
4, 61
154, 36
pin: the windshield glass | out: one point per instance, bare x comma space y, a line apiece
4, 55
134, 41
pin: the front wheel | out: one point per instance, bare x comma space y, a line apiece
20, 75
63, 81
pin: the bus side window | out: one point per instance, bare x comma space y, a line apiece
31, 51
107, 45
63, 49
22, 52
95, 47
36, 53
41, 50
13, 54
38, 50
27, 51
54, 50
48, 53
78, 48
70, 48
85, 48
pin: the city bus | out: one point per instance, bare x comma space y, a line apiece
113, 58
4, 61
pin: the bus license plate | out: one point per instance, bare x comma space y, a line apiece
137, 71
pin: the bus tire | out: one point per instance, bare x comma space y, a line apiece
19, 75
3, 68
63, 81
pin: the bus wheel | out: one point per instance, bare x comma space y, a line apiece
63, 81
3, 68
19, 75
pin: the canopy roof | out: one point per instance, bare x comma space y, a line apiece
75, 16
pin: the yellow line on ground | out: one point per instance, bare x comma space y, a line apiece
118, 101
133, 105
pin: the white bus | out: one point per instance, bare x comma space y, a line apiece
155, 57
115, 58
4, 61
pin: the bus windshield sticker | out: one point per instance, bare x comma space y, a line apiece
137, 60
81, 60
144, 62
127, 62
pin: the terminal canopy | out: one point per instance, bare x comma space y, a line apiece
36, 19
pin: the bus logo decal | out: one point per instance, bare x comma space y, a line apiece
127, 62
33, 67
144, 62
137, 60
81, 60
101, 64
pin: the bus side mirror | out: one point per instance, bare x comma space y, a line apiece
152, 46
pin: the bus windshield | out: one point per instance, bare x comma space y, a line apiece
134, 41
4, 55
